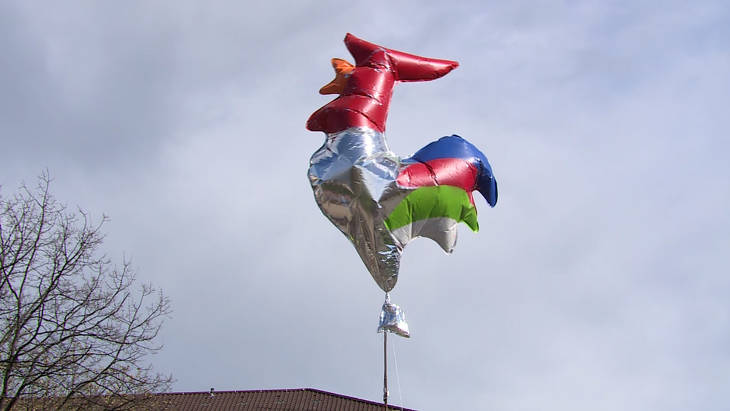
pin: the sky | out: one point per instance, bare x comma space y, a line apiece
599, 281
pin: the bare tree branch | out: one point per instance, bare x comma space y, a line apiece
75, 331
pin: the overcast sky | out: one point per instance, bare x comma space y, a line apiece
599, 282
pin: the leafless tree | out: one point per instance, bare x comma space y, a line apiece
74, 328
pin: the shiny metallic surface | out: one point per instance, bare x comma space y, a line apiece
353, 176
378, 200
392, 319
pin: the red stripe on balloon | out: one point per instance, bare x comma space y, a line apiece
442, 171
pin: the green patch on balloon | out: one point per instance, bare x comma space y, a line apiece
432, 202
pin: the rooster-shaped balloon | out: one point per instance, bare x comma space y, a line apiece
377, 199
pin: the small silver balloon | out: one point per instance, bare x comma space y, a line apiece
392, 319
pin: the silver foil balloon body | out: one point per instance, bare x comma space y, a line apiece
353, 176
392, 319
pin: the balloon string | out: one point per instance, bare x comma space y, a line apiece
397, 377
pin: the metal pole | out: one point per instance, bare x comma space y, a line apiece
385, 368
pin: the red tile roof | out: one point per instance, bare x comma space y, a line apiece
287, 399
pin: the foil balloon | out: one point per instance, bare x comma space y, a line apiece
379, 200
392, 319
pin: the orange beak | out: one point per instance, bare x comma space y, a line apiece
343, 69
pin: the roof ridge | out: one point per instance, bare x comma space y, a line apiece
274, 390
235, 391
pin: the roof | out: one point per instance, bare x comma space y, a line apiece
285, 399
